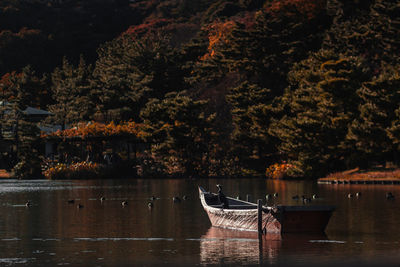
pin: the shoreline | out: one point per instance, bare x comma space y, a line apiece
379, 175
353, 176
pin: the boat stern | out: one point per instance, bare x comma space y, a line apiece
309, 219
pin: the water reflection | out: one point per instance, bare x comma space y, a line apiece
104, 233
224, 246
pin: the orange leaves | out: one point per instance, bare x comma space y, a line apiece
218, 33
308, 8
78, 170
6, 78
141, 29
279, 171
178, 123
95, 129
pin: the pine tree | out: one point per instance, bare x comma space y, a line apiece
25, 133
372, 132
369, 31
130, 71
321, 103
71, 88
180, 133
252, 112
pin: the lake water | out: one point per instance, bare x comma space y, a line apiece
53, 232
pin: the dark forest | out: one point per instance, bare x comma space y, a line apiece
216, 88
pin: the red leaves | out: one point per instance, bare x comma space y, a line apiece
308, 8
151, 25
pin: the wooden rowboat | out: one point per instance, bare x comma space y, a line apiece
243, 215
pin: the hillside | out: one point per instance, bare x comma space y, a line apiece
225, 88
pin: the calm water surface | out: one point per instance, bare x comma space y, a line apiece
53, 232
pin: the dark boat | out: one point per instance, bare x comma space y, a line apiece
243, 215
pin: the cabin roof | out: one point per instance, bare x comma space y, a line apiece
35, 111
30, 110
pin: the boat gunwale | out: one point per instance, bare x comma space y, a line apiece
219, 209
277, 208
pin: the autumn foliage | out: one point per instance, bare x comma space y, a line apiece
141, 29
290, 8
279, 170
96, 129
78, 170
218, 33
5, 83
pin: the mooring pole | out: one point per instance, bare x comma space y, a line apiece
259, 208
260, 231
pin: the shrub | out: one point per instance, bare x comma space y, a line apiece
281, 171
78, 170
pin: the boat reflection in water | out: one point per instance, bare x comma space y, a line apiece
225, 246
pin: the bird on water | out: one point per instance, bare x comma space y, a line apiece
305, 199
124, 203
28, 204
390, 196
176, 199
222, 198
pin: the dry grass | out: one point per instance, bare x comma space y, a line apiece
372, 174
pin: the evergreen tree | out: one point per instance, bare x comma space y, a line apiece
36, 94
246, 56
369, 31
320, 104
129, 72
25, 133
373, 131
252, 111
70, 89
263, 48
180, 133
